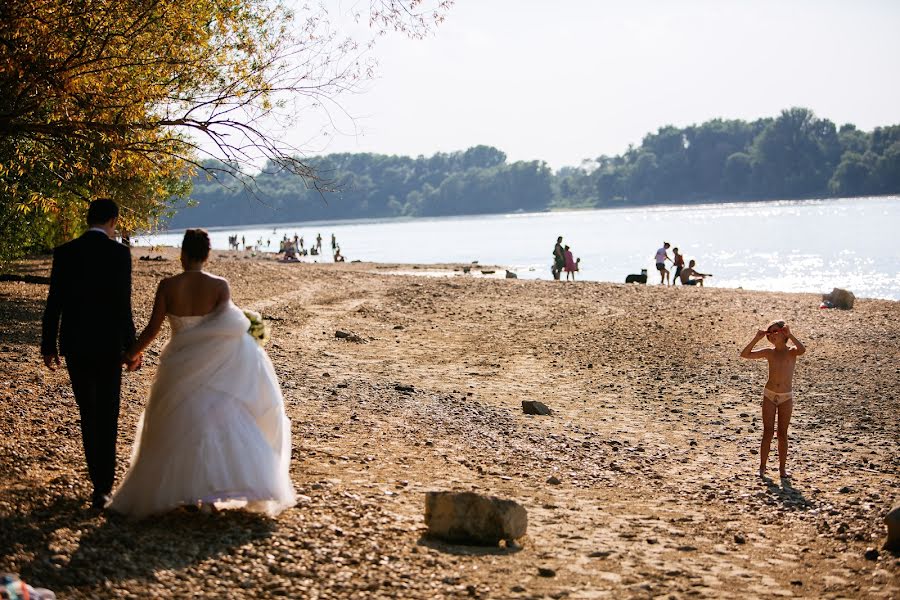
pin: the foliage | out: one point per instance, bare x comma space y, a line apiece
475, 181
795, 155
125, 98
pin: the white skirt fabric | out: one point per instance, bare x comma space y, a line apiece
214, 430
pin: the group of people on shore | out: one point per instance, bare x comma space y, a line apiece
293, 248
564, 261
687, 275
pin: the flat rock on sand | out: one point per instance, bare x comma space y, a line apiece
652, 444
470, 518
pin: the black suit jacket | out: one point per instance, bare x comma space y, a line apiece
89, 302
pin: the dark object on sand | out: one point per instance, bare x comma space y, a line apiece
25, 278
642, 278
533, 407
838, 298
154, 258
346, 335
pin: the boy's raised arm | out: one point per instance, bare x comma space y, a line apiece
748, 352
800, 350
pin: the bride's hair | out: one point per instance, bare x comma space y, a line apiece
196, 244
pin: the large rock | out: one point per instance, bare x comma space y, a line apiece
892, 520
533, 407
470, 518
839, 298
511, 275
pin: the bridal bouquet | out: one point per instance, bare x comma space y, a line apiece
259, 329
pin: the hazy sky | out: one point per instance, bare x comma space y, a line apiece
573, 79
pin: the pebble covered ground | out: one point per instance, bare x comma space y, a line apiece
641, 484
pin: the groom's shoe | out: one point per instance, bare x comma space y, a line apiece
99, 501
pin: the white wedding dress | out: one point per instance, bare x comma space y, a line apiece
214, 431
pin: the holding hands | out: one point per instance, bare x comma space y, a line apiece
133, 362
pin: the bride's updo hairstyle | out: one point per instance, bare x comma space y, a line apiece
196, 244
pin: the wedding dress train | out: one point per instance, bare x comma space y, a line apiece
214, 430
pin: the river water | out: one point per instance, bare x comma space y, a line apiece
804, 246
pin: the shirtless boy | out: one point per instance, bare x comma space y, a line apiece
778, 395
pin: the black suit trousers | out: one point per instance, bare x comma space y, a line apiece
96, 384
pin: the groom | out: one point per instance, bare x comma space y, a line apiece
89, 310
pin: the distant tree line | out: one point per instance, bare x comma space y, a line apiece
795, 155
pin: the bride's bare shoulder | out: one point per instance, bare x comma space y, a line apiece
217, 279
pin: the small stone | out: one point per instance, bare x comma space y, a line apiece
871, 554
553, 480
739, 539
533, 407
797, 582
346, 335
546, 572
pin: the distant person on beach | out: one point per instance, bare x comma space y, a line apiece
333, 243
678, 261
338, 257
559, 258
778, 394
661, 257
690, 276
570, 266
243, 242
318, 241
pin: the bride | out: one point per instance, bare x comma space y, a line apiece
214, 433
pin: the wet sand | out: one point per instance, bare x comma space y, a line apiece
654, 441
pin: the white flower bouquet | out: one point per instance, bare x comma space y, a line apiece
259, 329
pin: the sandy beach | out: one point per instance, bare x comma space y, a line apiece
654, 443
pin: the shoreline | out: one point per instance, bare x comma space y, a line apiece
457, 268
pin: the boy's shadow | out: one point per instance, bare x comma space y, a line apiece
787, 494
74, 546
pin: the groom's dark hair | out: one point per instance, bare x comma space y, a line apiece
102, 210
196, 244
